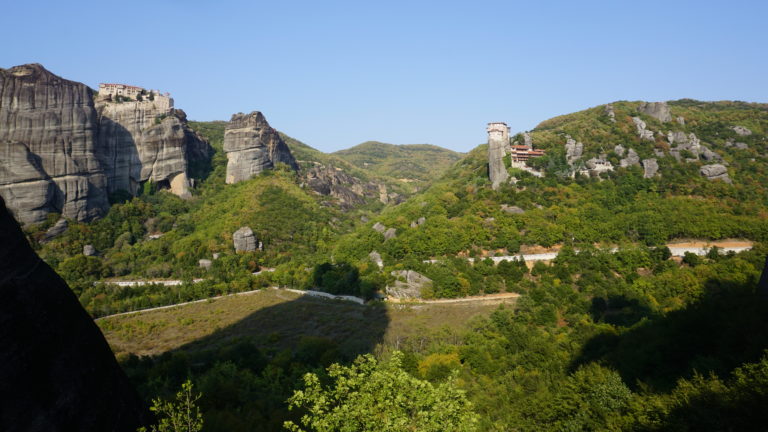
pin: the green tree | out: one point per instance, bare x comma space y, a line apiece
381, 397
181, 415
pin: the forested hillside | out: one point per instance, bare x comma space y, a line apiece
419, 163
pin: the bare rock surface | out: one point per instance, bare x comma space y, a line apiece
715, 172
657, 110
350, 191
143, 141
253, 146
642, 131
379, 227
511, 209
650, 168
58, 373
408, 284
48, 162
573, 150
631, 159
390, 234
244, 240
610, 113
89, 250
375, 257
63, 151
742, 131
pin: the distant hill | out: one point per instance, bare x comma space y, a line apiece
409, 162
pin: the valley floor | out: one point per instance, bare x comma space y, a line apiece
282, 318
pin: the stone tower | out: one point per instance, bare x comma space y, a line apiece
498, 139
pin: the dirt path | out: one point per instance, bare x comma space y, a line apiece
490, 298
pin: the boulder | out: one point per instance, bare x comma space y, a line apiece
378, 226
58, 372
390, 234
56, 230
375, 257
511, 209
204, 263
619, 150
252, 146
244, 240
408, 284
715, 172
89, 250
657, 110
742, 131
650, 168
610, 113
680, 120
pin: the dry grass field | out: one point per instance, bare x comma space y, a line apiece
281, 319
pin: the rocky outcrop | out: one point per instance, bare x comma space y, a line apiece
650, 168
715, 172
408, 284
573, 150
619, 150
657, 110
511, 209
610, 113
379, 227
375, 257
253, 146
691, 143
89, 250
56, 230
348, 190
631, 159
742, 131
63, 151
390, 234
244, 240
418, 222
58, 373
143, 141
642, 132
48, 163
680, 120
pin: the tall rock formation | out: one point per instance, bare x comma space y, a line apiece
63, 152
253, 146
146, 141
58, 373
48, 163
498, 140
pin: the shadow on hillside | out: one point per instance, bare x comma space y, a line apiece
725, 328
246, 371
347, 328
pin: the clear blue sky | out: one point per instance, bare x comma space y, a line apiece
334, 74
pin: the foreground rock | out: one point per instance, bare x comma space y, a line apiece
253, 146
408, 284
58, 373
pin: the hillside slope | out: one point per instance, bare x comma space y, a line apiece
409, 162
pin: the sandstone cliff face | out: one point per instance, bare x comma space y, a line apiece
58, 373
140, 141
253, 146
48, 162
62, 152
